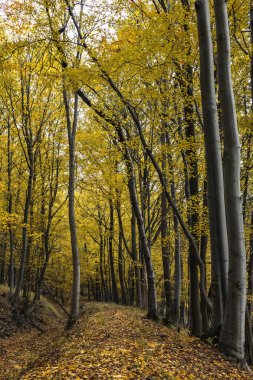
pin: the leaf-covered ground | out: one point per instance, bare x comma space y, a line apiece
113, 342
21, 344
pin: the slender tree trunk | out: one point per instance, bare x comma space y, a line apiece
152, 302
203, 250
232, 338
165, 243
138, 297
3, 262
11, 262
248, 320
175, 309
97, 289
101, 259
115, 295
216, 202
75, 299
146, 195
143, 272
130, 282
28, 200
250, 267
166, 260
192, 162
177, 270
121, 270
27, 283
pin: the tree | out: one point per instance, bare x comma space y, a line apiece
71, 128
216, 203
232, 337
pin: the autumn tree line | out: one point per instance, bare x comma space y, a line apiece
126, 160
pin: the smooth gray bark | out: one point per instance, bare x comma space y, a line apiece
101, 256
232, 338
177, 271
175, 309
137, 283
10, 198
193, 188
71, 128
121, 269
250, 265
165, 242
115, 295
215, 187
203, 251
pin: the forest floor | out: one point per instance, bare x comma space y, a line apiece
112, 342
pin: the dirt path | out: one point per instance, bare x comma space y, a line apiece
113, 342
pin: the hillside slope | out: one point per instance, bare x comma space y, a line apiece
23, 340
113, 342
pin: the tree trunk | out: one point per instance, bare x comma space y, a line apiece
250, 265
175, 309
138, 297
28, 200
216, 202
203, 250
165, 243
177, 271
3, 262
11, 262
121, 270
192, 163
75, 299
101, 259
115, 295
232, 338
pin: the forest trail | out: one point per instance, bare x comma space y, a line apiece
115, 342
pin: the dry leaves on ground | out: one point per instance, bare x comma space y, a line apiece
113, 342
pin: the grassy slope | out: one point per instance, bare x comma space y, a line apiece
113, 342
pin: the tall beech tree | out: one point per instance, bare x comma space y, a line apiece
232, 336
215, 186
71, 128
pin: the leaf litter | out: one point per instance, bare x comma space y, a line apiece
115, 342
